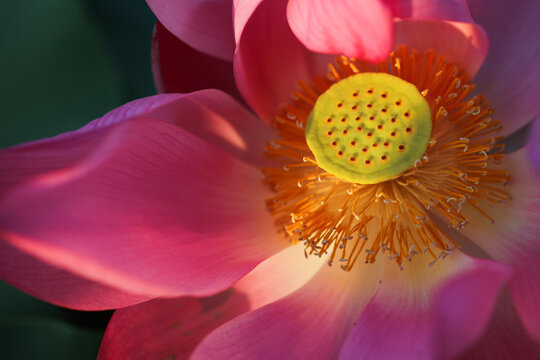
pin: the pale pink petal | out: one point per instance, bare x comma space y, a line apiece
464, 44
510, 76
359, 28
504, 338
311, 323
406, 318
206, 25
178, 68
162, 328
152, 209
270, 60
168, 329
278, 276
454, 10
243, 9
57, 286
512, 238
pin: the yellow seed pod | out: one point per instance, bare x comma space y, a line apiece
369, 128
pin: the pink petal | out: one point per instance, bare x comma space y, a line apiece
510, 76
243, 9
464, 44
362, 29
513, 237
311, 323
206, 25
220, 120
525, 288
525, 291
65, 150
144, 206
416, 312
178, 68
270, 60
533, 152
130, 110
463, 306
163, 329
455, 10
57, 286
505, 338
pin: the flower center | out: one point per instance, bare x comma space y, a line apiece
369, 128
369, 155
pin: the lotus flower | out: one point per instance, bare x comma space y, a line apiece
193, 199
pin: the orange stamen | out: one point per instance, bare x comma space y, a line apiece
347, 220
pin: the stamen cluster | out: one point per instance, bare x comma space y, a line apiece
347, 220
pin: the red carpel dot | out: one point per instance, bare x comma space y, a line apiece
367, 162
355, 94
352, 159
393, 120
386, 144
398, 103
401, 147
329, 120
370, 91
384, 158
343, 120
339, 105
409, 130
364, 149
384, 95
392, 134
380, 127
359, 128
407, 115
353, 143
375, 145
357, 118
340, 153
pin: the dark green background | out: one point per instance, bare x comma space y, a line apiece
64, 63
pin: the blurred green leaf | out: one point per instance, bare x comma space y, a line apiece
46, 339
15, 304
127, 27
56, 74
32, 329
